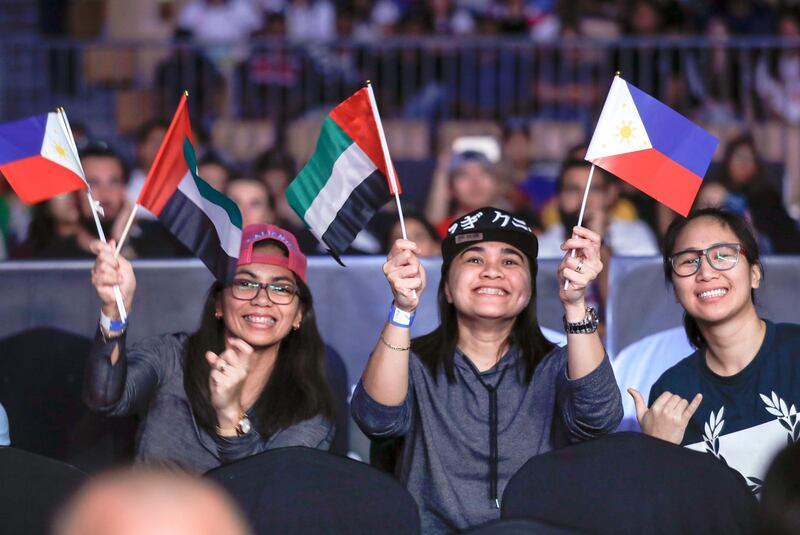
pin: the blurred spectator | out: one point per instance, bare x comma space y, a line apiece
224, 22
562, 88
778, 74
712, 194
748, 17
56, 231
107, 175
714, 78
269, 78
780, 494
443, 17
148, 141
622, 237
276, 169
253, 199
310, 21
15, 218
419, 230
647, 66
214, 170
743, 173
150, 501
5, 434
462, 183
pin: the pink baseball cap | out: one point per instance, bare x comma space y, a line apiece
253, 234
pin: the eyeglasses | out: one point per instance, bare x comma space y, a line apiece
280, 293
720, 256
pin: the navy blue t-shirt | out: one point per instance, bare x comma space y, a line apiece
746, 418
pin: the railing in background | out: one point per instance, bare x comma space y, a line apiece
263, 86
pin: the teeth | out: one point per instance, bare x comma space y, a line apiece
713, 293
263, 320
491, 291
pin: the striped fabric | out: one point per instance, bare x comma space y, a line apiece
344, 183
203, 219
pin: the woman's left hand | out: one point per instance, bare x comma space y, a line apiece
581, 269
226, 379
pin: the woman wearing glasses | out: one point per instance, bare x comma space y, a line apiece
249, 379
736, 397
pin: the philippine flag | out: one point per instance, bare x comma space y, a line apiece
37, 160
651, 146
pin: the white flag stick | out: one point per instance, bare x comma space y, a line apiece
388, 160
126, 229
123, 314
583, 209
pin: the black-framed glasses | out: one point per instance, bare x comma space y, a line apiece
280, 293
720, 256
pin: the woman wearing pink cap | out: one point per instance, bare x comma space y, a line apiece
249, 379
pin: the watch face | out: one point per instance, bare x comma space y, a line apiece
244, 425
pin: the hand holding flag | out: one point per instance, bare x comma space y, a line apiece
39, 158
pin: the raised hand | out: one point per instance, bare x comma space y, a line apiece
109, 271
226, 379
581, 269
405, 274
667, 417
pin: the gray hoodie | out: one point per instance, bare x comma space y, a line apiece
445, 459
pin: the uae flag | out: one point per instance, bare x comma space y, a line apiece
203, 219
345, 181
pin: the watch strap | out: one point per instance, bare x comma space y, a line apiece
587, 325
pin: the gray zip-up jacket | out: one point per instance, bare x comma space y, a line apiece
148, 380
446, 460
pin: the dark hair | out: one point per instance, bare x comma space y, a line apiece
274, 159
42, 228
747, 240
572, 163
410, 213
297, 388
153, 124
438, 347
780, 494
267, 192
101, 149
760, 175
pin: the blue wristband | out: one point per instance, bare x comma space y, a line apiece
112, 326
401, 318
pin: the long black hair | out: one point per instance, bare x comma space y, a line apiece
747, 240
297, 388
438, 347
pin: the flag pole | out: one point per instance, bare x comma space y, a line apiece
132, 216
387, 158
93, 204
583, 209
389, 165
127, 229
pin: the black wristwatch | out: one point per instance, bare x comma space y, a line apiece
586, 326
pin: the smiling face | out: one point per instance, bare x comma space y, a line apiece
260, 322
710, 296
490, 280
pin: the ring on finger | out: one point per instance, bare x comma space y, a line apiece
221, 367
579, 267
